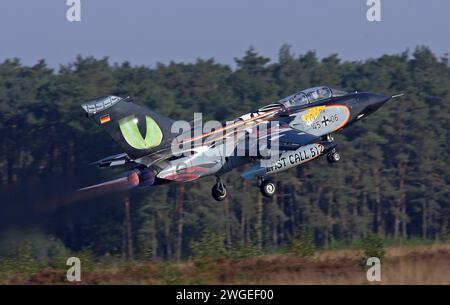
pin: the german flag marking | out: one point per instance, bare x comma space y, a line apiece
105, 119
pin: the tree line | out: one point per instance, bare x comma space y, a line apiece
393, 178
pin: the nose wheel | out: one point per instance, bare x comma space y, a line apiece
267, 188
333, 156
219, 191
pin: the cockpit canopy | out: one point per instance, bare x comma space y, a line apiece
310, 95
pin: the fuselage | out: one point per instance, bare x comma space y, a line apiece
317, 114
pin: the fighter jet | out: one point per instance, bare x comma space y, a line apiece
288, 133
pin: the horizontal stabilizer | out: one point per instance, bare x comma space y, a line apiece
117, 184
115, 160
135, 178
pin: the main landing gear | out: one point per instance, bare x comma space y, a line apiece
219, 191
267, 187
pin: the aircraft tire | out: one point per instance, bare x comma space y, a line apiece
329, 158
333, 157
268, 188
217, 193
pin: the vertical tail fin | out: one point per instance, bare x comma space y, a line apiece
138, 130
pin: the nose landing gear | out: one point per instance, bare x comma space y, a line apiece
333, 156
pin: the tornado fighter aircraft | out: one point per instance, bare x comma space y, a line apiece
288, 133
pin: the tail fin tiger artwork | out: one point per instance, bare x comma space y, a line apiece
136, 129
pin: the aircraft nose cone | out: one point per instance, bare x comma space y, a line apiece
375, 101
378, 99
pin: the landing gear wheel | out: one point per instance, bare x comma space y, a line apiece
333, 157
219, 191
267, 188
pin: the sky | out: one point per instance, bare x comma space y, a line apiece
145, 32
